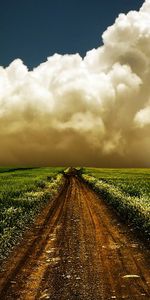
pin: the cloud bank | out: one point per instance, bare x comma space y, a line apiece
73, 111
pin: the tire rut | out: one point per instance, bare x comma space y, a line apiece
78, 249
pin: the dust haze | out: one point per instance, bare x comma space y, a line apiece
93, 111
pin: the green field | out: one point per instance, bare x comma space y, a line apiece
127, 190
23, 191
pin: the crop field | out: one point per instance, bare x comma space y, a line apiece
76, 245
127, 190
23, 191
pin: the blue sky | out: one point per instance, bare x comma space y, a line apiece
33, 30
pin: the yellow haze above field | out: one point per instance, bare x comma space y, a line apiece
74, 111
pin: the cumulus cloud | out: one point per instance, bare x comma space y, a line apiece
73, 111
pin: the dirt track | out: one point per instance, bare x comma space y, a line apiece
77, 249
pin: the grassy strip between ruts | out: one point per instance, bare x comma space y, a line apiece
22, 195
134, 209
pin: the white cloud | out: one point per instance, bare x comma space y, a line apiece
78, 111
142, 118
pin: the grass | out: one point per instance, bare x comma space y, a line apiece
127, 190
23, 191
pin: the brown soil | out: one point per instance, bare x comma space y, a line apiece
77, 249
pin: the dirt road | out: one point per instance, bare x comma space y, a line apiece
77, 249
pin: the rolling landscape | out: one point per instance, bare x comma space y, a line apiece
75, 150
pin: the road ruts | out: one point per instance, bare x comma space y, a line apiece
77, 249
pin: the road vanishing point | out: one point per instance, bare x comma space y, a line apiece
78, 248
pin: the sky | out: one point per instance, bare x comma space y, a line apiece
89, 105
33, 30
